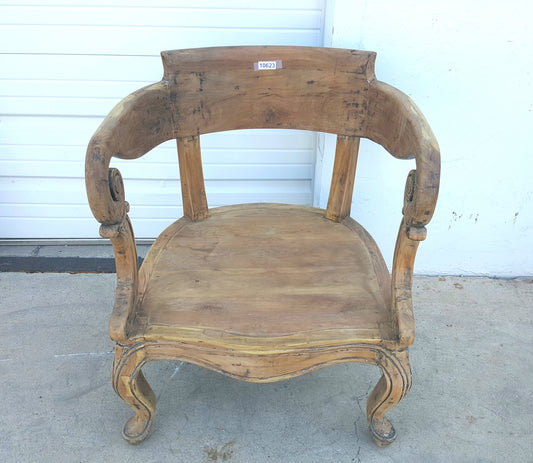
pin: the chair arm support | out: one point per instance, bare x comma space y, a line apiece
402, 283
396, 123
123, 240
419, 203
137, 124
421, 190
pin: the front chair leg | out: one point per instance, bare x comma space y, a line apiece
390, 389
129, 383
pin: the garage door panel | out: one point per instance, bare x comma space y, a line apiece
82, 39
165, 153
63, 67
230, 4
88, 70
130, 16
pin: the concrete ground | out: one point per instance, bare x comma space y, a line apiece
471, 400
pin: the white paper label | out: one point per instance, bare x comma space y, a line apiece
267, 65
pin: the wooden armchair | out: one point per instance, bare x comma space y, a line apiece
263, 292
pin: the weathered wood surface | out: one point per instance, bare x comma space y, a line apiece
315, 89
342, 180
269, 275
192, 178
263, 292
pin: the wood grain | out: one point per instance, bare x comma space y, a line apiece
342, 180
265, 274
192, 178
316, 89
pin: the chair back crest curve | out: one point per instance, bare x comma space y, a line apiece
307, 88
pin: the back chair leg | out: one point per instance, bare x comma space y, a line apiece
129, 383
390, 389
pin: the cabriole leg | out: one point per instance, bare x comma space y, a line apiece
390, 389
129, 383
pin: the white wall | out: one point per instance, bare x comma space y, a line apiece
468, 65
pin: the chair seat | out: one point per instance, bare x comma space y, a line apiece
265, 275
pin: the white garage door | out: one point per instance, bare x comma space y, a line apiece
64, 65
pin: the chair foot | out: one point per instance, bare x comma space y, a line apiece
383, 432
136, 429
130, 384
390, 389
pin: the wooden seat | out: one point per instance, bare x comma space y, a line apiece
266, 275
263, 292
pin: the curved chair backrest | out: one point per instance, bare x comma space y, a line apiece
225, 88
320, 89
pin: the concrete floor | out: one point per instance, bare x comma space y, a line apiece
471, 400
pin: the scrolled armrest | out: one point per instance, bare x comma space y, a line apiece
137, 124
396, 123
105, 188
422, 188
123, 240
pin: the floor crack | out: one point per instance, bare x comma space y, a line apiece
83, 354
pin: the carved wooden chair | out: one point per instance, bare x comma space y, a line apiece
263, 292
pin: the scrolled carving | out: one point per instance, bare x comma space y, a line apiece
116, 188
105, 189
414, 210
116, 185
415, 233
409, 189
